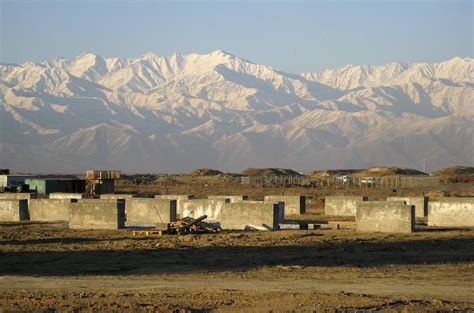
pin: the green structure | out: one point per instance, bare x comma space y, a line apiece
42, 186
45, 186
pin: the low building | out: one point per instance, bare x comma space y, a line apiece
101, 182
46, 186
13, 180
105, 186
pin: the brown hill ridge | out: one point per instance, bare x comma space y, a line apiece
455, 171
270, 172
205, 172
373, 171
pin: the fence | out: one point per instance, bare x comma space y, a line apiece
279, 181
355, 182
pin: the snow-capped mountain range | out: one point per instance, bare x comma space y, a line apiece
177, 113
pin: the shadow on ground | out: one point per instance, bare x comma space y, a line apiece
65, 240
185, 259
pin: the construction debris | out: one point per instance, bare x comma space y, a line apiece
196, 226
148, 232
182, 226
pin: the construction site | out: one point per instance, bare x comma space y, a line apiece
380, 239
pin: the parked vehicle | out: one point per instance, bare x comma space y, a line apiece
368, 180
344, 179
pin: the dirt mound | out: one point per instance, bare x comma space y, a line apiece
327, 173
456, 174
373, 171
205, 172
455, 171
270, 172
387, 171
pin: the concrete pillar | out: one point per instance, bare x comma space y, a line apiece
451, 212
97, 214
385, 217
13, 210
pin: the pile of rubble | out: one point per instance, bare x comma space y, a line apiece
183, 226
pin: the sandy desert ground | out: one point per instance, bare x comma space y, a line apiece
48, 267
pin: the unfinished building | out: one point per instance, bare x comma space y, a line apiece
17, 196
385, 216
451, 212
49, 210
13, 210
294, 205
342, 205
174, 197
245, 215
229, 199
97, 214
149, 211
420, 203
63, 195
199, 207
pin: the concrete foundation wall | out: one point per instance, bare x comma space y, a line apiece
49, 210
420, 203
245, 215
199, 207
293, 204
174, 197
342, 205
114, 196
229, 199
143, 211
62, 195
97, 214
451, 212
178, 199
281, 208
17, 196
12, 210
385, 217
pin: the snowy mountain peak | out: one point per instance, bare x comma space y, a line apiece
87, 55
149, 57
221, 54
350, 77
175, 113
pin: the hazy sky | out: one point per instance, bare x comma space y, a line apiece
292, 36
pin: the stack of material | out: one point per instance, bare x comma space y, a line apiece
196, 226
182, 226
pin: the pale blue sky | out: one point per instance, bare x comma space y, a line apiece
293, 36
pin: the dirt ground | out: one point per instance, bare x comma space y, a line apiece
48, 267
